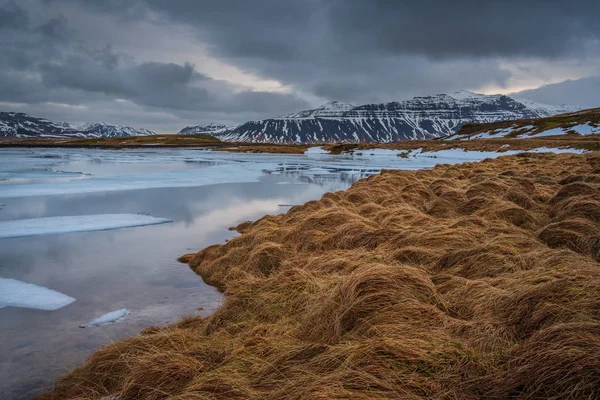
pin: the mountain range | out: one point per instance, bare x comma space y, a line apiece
25, 126
426, 117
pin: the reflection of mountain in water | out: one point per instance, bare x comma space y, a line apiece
331, 178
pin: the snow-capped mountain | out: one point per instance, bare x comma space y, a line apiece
419, 118
331, 109
25, 126
210, 129
102, 129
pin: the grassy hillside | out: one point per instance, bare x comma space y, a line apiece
480, 280
117, 142
531, 127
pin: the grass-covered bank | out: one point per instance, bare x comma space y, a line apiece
480, 280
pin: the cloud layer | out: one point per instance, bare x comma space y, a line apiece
163, 65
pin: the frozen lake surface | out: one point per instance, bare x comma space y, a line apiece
75, 271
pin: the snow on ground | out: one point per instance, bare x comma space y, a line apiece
496, 133
582, 129
75, 223
15, 293
108, 318
586, 129
549, 132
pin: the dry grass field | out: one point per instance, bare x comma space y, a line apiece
474, 281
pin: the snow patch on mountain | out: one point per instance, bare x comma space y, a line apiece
210, 129
548, 110
331, 109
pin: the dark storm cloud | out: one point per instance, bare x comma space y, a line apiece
545, 28
360, 50
12, 17
278, 30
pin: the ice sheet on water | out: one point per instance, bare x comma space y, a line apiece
315, 150
121, 170
75, 223
15, 293
108, 318
234, 171
379, 152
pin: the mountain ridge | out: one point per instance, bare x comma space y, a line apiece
22, 125
424, 117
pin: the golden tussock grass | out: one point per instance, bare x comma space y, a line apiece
480, 280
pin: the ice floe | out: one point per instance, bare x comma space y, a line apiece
75, 223
108, 318
15, 293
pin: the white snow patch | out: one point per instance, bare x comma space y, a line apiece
525, 128
492, 134
108, 318
15, 293
76, 223
586, 129
549, 132
453, 156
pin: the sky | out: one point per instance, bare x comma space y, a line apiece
163, 65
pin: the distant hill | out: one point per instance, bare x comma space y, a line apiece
427, 117
583, 122
22, 125
210, 129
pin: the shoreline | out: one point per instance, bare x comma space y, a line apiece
589, 143
416, 283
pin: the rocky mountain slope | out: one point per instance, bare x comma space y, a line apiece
210, 129
419, 118
25, 126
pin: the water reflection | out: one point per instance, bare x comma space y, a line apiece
129, 268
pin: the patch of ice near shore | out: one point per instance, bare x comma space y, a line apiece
15, 293
112, 317
76, 223
315, 150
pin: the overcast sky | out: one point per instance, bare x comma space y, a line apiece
163, 65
